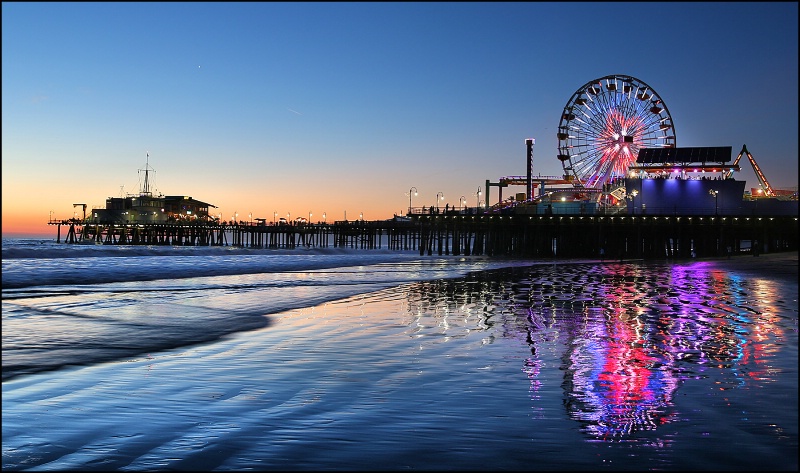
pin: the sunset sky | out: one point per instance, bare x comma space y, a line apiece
343, 107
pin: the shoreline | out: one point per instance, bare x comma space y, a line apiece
776, 264
783, 263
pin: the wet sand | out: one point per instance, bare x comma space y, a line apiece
783, 265
453, 375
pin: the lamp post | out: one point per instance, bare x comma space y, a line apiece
324, 217
462, 202
361, 216
51, 216
409, 198
634, 193
251, 218
714, 193
274, 216
309, 216
478, 198
437, 200
236, 217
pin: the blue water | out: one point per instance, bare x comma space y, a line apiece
187, 358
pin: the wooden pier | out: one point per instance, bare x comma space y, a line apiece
356, 234
524, 236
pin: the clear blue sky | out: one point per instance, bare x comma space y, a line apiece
298, 107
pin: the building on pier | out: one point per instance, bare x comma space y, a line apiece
663, 181
696, 181
148, 208
151, 209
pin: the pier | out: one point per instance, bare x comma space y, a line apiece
513, 235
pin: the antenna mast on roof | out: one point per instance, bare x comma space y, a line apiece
145, 190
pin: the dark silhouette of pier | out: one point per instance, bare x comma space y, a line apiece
515, 235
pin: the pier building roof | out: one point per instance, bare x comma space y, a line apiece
684, 156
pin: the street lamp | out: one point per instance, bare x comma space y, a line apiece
478, 197
309, 216
236, 217
251, 218
324, 217
634, 193
361, 217
462, 202
714, 193
274, 216
437, 200
414, 189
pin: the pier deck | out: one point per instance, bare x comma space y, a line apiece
529, 236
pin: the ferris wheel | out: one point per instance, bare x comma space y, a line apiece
604, 125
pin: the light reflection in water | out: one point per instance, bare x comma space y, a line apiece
628, 335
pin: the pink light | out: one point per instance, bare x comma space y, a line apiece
613, 147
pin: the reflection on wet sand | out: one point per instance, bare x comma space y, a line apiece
633, 333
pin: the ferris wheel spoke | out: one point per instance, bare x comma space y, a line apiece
585, 146
597, 117
607, 102
651, 120
587, 162
592, 161
593, 133
630, 110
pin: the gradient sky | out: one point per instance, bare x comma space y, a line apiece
343, 107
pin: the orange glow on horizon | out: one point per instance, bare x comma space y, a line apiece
32, 220
28, 225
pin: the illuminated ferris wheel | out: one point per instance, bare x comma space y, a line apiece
604, 125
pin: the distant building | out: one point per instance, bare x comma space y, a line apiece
151, 209
147, 208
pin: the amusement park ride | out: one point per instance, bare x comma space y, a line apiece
603, 128
765, 190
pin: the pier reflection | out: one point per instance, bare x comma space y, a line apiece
625, 336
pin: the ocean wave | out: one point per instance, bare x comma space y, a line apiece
20, 248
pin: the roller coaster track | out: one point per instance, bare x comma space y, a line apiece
762, 179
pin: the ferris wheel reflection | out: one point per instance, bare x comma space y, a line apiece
647, 338
626, 336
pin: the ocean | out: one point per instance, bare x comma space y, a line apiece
231, 359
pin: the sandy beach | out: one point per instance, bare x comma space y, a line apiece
579, 366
